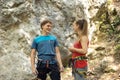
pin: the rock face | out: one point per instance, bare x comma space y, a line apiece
19, 24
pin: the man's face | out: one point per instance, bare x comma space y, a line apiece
47, 27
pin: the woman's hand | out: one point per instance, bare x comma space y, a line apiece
72, 49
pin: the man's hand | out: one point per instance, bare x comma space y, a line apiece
61, 68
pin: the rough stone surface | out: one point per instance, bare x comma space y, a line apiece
19, 24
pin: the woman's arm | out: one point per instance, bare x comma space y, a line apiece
84, 44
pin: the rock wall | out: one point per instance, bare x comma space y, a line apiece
19, 24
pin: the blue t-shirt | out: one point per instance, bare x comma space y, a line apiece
45, 46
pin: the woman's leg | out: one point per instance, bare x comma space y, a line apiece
80, 73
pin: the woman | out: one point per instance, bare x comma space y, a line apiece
79, 50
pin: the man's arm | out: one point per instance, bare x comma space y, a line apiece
33, 54
58, 56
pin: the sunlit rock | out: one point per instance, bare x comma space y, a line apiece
20, 23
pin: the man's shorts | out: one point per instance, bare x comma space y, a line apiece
51, 69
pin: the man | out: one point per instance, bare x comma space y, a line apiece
49, 57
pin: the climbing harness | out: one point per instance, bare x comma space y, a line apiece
72, 64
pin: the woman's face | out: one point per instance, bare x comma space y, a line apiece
47, 27
75, 26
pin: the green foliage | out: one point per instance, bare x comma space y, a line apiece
117, 48
116, 21
117, 53
109, 2
109, 23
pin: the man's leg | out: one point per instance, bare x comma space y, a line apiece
42, 74
55, 73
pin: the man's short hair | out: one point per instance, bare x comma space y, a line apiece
45, 22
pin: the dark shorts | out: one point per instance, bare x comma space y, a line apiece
52, 70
